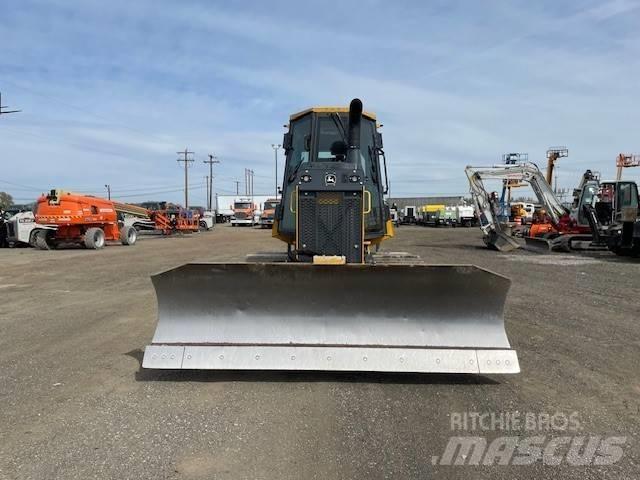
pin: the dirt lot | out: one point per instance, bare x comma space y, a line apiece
75, 403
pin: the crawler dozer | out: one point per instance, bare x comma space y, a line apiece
332, 301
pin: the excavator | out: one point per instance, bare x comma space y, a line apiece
332, 301
615, 216
563, 230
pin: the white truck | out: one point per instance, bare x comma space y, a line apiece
207, 220
464, 215
409, 214
16, 229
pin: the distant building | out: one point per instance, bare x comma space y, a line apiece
402, 202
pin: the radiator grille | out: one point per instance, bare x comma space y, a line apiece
330, 223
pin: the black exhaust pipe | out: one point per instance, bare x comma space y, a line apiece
353, 135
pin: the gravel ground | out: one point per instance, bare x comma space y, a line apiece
76, 404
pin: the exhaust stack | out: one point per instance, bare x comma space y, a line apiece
353, 134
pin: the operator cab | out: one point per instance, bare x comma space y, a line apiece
333, 161
616, 201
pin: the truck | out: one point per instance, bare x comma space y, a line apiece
465, 215
17, 227
409, 214
433, 215
207, 220
526, 210
244, 211
268, 212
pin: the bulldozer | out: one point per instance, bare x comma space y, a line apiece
333, 301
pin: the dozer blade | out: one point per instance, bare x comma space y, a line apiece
500, 241
384, 318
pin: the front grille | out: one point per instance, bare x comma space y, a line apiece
240, 215
330, 223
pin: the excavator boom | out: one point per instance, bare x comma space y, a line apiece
493, 233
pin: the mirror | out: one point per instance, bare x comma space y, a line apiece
287, 141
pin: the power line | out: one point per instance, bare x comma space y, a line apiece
24, 187
4, 112
158, 192
64, 103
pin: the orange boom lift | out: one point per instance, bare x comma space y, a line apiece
80, 219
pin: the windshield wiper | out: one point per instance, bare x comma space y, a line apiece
341, 130
292, 177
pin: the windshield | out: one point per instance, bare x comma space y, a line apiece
627, 195
242, 205
301, 134
328, 135
589, 194
270, 205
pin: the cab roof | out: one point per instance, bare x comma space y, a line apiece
295, 116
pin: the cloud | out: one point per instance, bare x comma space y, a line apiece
110, 91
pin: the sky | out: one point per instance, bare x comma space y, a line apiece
110, 91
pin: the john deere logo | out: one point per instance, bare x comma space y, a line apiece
330, 179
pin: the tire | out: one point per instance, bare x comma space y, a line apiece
94, 238
203, 226
40, 240
128, 235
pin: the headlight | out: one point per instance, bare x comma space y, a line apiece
354, 178
306, 178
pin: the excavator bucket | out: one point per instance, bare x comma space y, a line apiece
500, 241
538, 244
293, 316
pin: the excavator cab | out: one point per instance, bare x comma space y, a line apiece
333, 187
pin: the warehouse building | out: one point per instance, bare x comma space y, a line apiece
452, 201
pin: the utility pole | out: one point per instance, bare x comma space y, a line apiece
248, 182
206, 182
186, 161
3, 112
237, 182
211, 161
108, 187
275, 150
